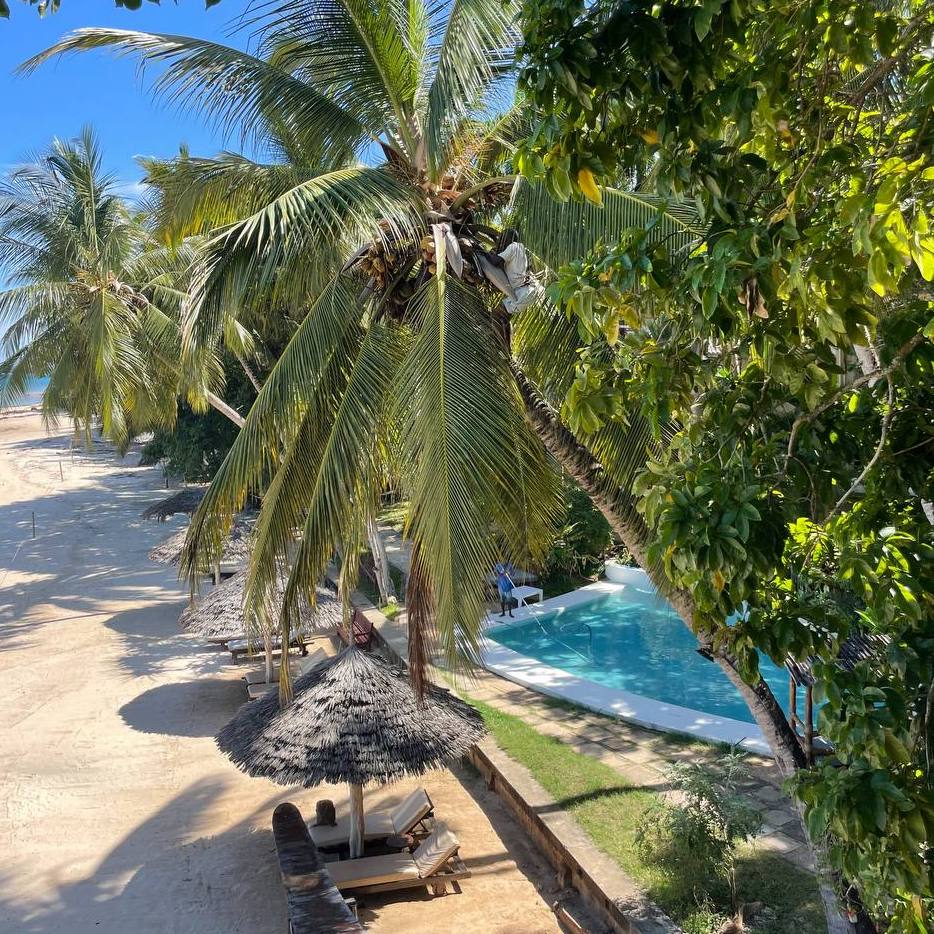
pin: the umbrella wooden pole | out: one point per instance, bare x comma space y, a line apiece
356, 820
267, 652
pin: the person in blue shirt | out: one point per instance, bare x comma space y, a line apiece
504, 585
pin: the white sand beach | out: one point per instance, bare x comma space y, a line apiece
118, 814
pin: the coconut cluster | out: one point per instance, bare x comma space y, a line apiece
394, 268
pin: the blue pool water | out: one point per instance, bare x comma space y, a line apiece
634, 642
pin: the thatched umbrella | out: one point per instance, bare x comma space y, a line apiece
220, 615
185, 500
354, 718
237, 545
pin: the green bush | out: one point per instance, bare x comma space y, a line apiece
584, 539
694, 840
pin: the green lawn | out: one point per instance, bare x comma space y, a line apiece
609, 808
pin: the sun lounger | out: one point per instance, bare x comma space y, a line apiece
223, 640
258, 688
300, 667
362, 631
402, 819
238, 647
434, 863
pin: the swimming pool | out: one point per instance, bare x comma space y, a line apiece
628, 640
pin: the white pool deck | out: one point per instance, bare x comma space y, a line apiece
634, 708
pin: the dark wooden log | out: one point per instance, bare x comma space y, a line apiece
315, 905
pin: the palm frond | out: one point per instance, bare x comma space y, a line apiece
191, 196
306, 380
559, 232
355, 51
234, 88
344, 488
296, 243
463, 433
479, 40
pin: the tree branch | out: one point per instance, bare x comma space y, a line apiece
886, 422
880, 373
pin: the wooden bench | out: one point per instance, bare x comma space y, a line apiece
362, 628
314, 903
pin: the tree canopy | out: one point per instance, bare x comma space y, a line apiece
787, 354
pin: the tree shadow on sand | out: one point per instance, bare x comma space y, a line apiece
185, 708
166, 876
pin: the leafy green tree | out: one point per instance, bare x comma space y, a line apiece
197, 443
583, 540
784, 360
93, 300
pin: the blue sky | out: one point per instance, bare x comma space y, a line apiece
96, 88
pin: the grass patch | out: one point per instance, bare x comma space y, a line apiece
609, 808
368, 588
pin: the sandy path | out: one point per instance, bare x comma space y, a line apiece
117, 813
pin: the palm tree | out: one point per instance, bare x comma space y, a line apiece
390, 212
93, 300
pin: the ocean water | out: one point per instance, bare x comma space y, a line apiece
33, 393
635, 642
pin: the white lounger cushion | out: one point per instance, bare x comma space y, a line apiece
260, 690
377, 823
373, 870
242, 645
434, 851
429, 858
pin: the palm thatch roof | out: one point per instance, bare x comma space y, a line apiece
354, 718
220, 613
185, 500
237, 545
857, 647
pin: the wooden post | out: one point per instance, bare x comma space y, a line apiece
357, 827
793, 701
809, 724
61, 471
217, 572
34, 523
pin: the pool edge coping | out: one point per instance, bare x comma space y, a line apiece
633, 708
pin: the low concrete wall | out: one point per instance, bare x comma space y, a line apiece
604, 886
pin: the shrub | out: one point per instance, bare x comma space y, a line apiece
694, 841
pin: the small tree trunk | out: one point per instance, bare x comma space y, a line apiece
217, 403
357, 821
380, 562
250, 375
